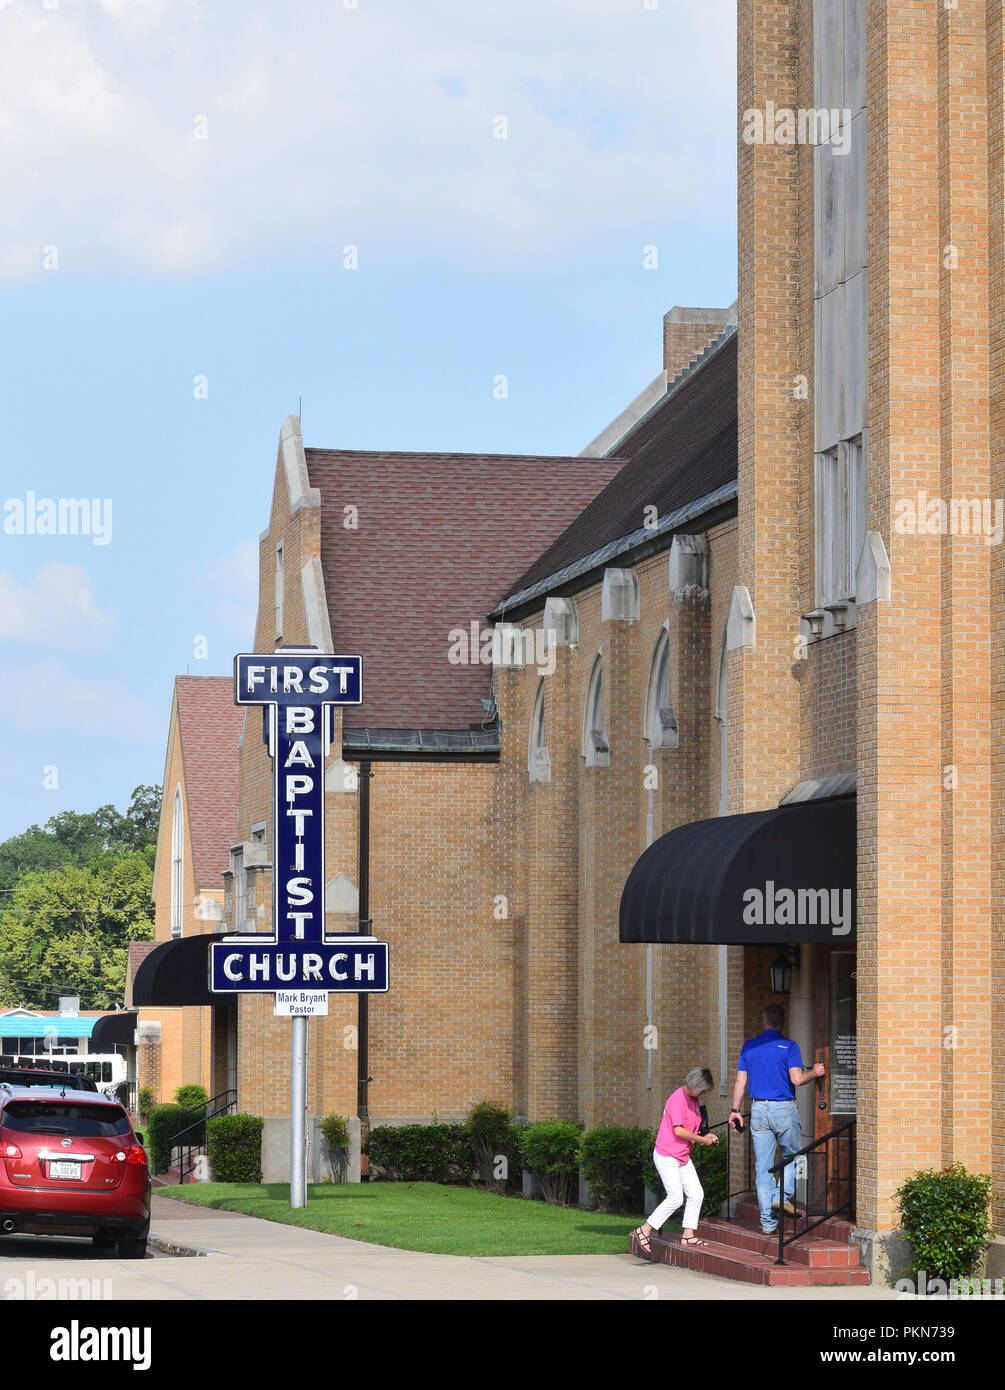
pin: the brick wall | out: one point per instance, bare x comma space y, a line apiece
906, 698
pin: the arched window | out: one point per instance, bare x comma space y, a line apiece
538, 763
595, 747
661, 723
177, 864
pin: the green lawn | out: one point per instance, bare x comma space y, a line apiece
423, 1216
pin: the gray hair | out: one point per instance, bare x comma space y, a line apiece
699, 1079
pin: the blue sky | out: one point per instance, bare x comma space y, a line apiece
196, 172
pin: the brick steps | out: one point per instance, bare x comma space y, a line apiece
729, 1262
739, 1250
836, 1229
816, 1252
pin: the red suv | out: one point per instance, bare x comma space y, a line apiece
72, 1166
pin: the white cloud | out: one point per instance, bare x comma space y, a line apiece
328, 126
56, 611
231, 586
48, 695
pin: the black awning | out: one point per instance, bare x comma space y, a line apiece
113, 1030
763, 878
177, 972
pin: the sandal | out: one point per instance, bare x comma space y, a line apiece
642, 1240
692, 1240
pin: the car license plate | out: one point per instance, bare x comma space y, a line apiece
63, 1170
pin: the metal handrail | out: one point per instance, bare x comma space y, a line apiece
209, 1109
185, 1164
848, 1205
745, 1135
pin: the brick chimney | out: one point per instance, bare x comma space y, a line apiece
686, 332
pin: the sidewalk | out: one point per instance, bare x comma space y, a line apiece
263, 1259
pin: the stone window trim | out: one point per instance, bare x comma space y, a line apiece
661, 721
561, 623
595, 746
208, 908
280, 589
538, 761
620, 596
721, 717
248, 859
177, 863
840, 491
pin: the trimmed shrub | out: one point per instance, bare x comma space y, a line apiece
946, 1218
191, 1096
235, 1148
650, 1175
712, 1164
163, 1123
421, 1153
613, 1160
495, 1143
193, 1099
549, 1150
145, 1101
335, 1132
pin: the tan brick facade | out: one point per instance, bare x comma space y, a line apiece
499, 893
908, 699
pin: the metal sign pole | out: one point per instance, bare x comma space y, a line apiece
298, 1115
297, 961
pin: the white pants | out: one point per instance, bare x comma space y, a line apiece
680, 1182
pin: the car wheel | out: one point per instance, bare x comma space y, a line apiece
133, 1249
103, 1242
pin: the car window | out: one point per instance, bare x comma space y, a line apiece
79, 1120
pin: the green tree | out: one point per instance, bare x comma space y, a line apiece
85, 835
66, 931
138, 827
86, 839
33, 851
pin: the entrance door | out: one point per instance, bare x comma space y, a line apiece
835, 1044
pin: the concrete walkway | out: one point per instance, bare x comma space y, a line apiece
262, 1259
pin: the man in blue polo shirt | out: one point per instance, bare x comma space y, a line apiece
771, 1066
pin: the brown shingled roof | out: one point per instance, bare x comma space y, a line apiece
682, 450
440, 540
209, 725
138, 952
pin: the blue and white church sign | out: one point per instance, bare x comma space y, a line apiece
298, 687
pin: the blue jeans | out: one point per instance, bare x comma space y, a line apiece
773, 1122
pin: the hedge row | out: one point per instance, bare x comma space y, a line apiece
616, 1162
486, 1146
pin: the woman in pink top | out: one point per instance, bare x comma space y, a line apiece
672, 1156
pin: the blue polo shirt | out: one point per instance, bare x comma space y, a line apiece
766, 1060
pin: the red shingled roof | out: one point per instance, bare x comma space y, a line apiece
138, 952
209, 725
441, 538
